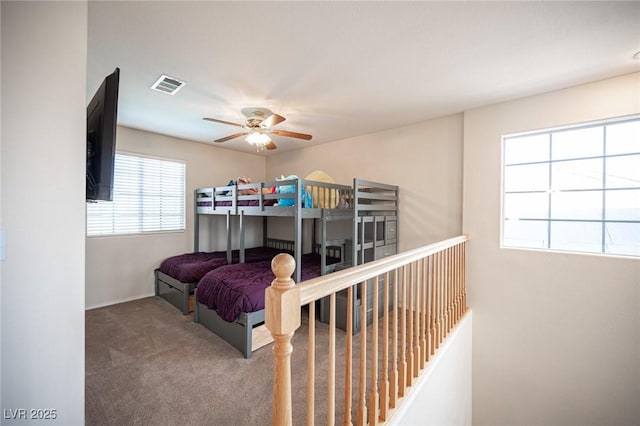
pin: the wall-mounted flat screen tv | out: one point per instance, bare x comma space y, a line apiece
102, 115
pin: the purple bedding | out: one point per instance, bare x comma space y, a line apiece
191, 267
232, 289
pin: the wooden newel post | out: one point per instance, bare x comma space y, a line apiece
282, 317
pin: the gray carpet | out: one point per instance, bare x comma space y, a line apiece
147, 364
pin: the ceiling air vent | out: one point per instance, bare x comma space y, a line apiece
168, 85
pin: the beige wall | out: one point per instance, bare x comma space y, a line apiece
556, 336
43, 157
424, 160
137, 256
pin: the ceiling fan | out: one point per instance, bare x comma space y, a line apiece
257, 127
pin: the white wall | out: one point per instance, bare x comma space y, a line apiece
442, 394
556, 336
44, 47
137, 256
424, 160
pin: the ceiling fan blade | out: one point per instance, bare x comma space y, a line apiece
237, 135
291, 134
272, 120
271, 145
215, 120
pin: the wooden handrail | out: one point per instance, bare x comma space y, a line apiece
317, 288
423, 297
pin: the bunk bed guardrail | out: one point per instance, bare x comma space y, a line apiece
279, 197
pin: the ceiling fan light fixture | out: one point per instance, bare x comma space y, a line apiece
257, 127
258, 139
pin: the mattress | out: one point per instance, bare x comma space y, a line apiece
191, 267
232, 289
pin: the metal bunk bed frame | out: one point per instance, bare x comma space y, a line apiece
207, 199
365, 203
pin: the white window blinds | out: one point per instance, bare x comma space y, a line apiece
148, 196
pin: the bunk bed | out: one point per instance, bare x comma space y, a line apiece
299, 199
177, 276
371, 207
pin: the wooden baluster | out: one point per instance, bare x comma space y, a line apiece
393, 374
282, 317
443, 299
423, 314
436, 295
433, 303
362, 406
458, 304
439, 301
443, 305
463, 285
416, 321
427, 313
452, 279
454, 286
445, 283
409, 315
464, 276
331, 369
384, 386
402, 369
311, 366
374, 396
348, 386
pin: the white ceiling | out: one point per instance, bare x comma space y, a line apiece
342, 69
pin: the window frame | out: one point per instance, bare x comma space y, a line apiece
142, 232
604, 189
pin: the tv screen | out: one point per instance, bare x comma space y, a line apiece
102, 114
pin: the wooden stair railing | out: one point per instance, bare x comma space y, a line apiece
423, 297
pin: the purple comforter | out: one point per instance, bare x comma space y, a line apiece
232, 289
191, 267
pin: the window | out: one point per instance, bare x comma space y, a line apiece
574, 188
148, 196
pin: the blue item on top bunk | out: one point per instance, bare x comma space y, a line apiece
305, 197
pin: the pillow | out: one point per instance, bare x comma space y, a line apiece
322, 197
